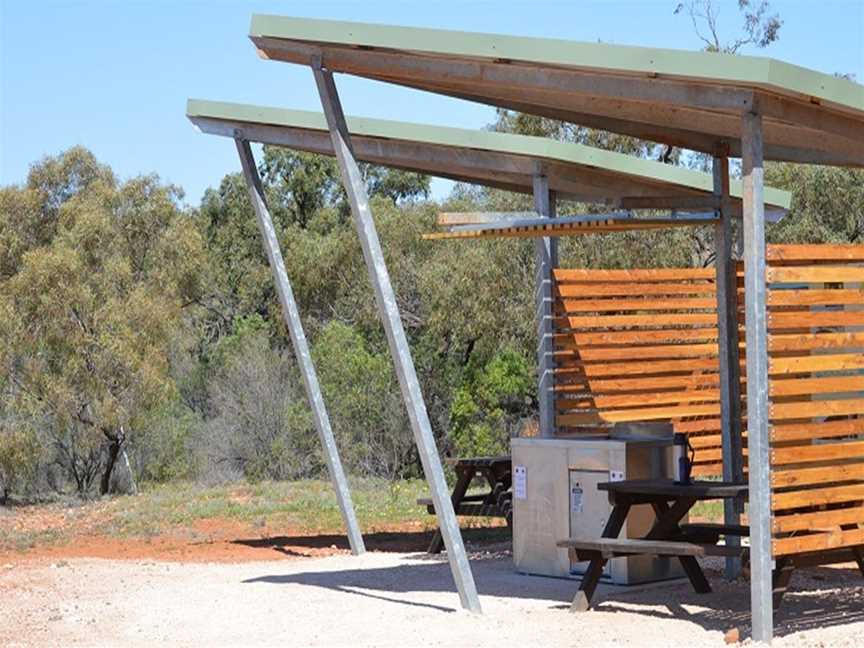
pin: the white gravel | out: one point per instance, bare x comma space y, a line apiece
386, 599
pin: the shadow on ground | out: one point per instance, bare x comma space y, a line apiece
819, 597
401, 542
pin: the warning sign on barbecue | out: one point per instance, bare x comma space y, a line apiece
520, 477
576, 499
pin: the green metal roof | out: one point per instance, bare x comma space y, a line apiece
661, 94
499, 159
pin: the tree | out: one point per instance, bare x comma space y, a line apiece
760, 28
364, 403
511, 121
491, 403
260, 427
97, 298
827, 204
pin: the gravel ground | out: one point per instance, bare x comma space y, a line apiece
389, 599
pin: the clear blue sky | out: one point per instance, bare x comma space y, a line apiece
115, 76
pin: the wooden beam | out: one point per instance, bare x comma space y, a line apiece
569, 229
478, 218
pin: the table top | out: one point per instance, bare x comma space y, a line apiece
701, 490
478, 461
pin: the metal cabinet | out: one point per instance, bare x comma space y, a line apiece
558, 498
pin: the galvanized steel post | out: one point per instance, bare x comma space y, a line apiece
758, 408
728, 352
546, 253
399, 349
301, 347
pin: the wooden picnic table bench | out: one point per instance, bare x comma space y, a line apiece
497, 502
667, 537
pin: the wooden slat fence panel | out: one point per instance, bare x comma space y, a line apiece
816, 376
639, 345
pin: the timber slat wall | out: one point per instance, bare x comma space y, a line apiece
639, 345
816, 348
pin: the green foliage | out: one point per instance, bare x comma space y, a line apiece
259, 426
363, 398
96, 303
491, 403
165, 451
395, 184
827, 205
19, 458
510, 121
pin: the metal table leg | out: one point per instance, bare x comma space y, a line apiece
582, 600
459, 490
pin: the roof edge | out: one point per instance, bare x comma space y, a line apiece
780, 76
525, 145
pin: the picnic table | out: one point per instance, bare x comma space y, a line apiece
497, 502
667, 537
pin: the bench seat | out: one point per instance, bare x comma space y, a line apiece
587, 548
473, 507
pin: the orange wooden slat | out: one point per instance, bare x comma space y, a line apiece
664, 319
805, 319
808, 363
816, 452
631, 274
780, 386
813, 408
628, 385
820, 430
818, 542
821, 475
646, 336
815, 274
646, 352
658, 398
805, 297
817, 497
698, 426
816, 252
817, 519
632, 288
810, 341
645, 414
642, 367
654, 304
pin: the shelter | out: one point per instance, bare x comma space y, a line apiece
723, 105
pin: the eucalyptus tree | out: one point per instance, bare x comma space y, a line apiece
96, 289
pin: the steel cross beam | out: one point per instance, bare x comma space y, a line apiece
399, 349
758, 410
546, 254
301, 347
730, 372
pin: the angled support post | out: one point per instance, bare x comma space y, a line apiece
730, 372
758, 408
546, 253
301, 347
398, 342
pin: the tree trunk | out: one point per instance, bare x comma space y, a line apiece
115, 443
132, 485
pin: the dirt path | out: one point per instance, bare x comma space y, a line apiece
385, 599
221, 541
